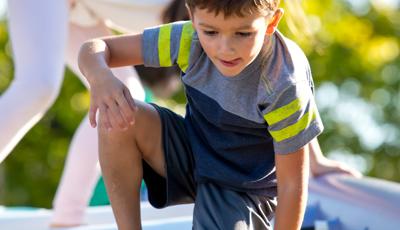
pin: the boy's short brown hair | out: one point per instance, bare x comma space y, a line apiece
235, 7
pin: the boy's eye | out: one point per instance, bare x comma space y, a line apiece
244, 34
210, 32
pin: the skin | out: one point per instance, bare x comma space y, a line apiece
320, 165
125, 125
234, 41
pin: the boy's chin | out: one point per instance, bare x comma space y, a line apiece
230, 73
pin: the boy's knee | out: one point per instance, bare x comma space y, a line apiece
147, 122
115, 134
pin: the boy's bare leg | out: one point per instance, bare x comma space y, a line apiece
121, 154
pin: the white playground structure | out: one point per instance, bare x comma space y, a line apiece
336, 202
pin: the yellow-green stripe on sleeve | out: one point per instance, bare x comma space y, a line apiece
283, 112
184, 46
294, 129
164, 45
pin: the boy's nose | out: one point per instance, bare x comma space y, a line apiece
226, 47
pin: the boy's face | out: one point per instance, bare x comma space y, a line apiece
231, 43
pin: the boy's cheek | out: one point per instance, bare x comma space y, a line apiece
206, 43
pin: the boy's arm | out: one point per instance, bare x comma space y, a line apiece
108, 94
321, 165
101, 54
292, 177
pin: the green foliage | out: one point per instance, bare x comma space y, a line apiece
354, 56
355, 51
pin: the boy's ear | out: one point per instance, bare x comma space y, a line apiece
273, 23
190, 15
189, 12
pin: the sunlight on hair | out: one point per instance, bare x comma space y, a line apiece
297, 21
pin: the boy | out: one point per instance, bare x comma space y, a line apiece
249, 121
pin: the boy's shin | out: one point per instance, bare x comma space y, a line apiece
121, 165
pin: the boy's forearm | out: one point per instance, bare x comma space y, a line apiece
291, 207
97, 56
292, 172
320, 165
315, 154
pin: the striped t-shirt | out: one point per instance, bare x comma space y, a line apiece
236, 124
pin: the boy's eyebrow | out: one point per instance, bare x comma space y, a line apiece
206, 25
245, 27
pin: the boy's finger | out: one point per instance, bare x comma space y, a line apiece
115, 116
130, 100
111, 119
92, 115
352, 172
125, 109
103, 117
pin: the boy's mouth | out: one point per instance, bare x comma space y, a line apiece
230, 63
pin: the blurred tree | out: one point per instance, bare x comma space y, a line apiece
353, 47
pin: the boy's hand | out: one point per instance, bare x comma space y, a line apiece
326, 165
114, 102
321, 165
108, 94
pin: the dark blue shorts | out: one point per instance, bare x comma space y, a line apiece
215, 207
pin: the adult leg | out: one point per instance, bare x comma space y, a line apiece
80, 171
81, 165
121, 154
38, 31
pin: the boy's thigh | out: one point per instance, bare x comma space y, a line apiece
149, 136
178, 185
224, 209
144, 137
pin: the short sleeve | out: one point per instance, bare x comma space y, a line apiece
292, 117
168, 45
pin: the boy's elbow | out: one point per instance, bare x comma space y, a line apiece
83, 55
88, 54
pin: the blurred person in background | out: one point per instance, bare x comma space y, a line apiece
44, 36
